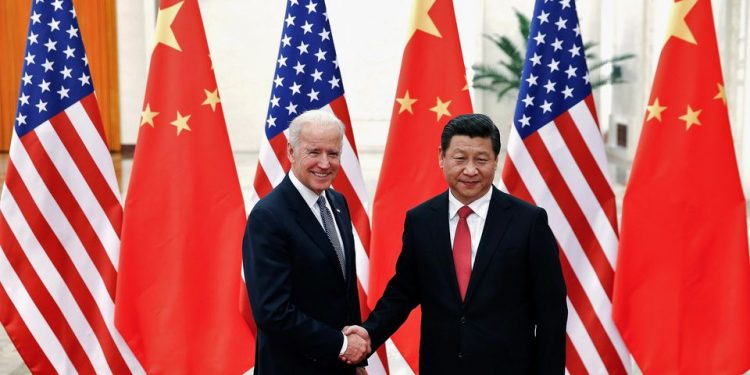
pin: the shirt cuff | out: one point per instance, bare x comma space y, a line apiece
344, 345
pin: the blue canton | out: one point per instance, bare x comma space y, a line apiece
555, 76
55, 71
307, 73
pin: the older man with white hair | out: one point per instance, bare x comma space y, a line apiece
298, 255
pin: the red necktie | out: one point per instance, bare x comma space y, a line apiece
462, 251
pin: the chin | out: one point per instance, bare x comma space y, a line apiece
319, 188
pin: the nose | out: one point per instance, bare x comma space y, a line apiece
470, 169
324, 161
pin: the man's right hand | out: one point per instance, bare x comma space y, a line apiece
358, 347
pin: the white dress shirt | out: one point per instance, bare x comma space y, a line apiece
311, 198
475, 220
312, 201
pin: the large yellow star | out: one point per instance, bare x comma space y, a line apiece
655, 110
441, 108
420, 20
147, 116
164, 33
212, 98
691, 117
406, 102
181, 122
677, 26
722, 94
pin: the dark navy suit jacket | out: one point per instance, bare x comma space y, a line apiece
299, 297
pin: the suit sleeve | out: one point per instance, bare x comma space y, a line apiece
267, 265
549, 295
400, 297
353, 293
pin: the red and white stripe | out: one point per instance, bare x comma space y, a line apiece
60, 217
273, 165
563, 168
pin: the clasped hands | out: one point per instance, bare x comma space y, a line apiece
358, 347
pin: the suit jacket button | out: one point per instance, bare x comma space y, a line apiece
463, 320
460, 355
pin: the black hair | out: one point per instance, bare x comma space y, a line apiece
472, 125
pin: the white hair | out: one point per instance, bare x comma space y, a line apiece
315, 117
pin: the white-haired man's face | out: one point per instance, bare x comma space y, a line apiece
317, 156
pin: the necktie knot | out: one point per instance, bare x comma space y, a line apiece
321, 202
464, 212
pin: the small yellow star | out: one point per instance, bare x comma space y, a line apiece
691, 117
420, 20
441, 108
655, 110
147, 116
722, 94
406, 102
466, 86
677, 26
181, 122
164, 33
212, 98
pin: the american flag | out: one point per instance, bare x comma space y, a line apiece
60, 211
556, 159
308, 77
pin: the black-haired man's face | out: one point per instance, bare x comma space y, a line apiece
469, 166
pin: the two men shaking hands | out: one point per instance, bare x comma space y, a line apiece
482, 264
359, 346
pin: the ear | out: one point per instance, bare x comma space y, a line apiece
441, 156
290, 152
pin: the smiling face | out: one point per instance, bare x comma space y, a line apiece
469, 166
316, 157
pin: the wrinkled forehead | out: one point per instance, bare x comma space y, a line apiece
321, 139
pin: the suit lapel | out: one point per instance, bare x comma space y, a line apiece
444, 247
309, 223
497, 222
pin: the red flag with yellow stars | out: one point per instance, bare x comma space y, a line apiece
682, 286
176, 303
432, 89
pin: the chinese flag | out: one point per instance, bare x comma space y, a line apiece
432, 89
682, 287
176, 303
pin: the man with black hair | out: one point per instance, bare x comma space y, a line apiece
483, 265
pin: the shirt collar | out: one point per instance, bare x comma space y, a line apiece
308, 195
480, 206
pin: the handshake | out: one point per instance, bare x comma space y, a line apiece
358, 346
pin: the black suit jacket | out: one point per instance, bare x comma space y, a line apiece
513, 319
299, 297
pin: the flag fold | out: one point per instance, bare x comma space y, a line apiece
556, 159
682, 288
184, 216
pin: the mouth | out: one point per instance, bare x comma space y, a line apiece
470, 183
321, 174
